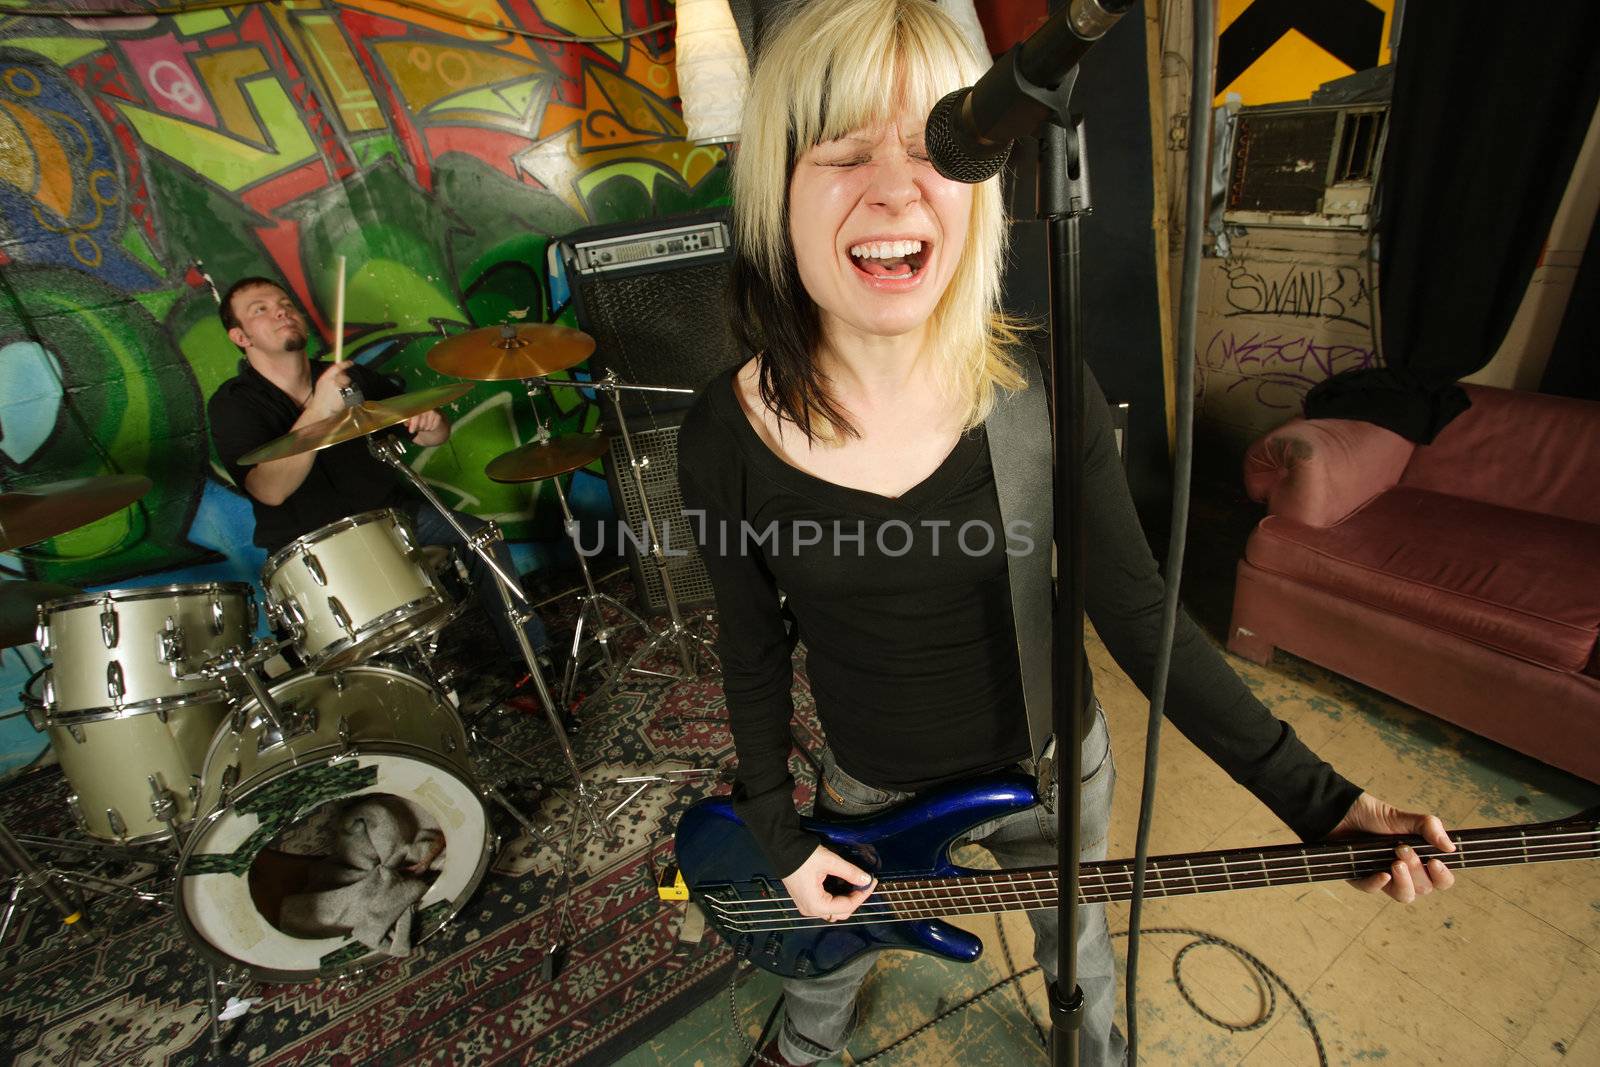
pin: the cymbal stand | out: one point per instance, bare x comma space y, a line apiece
389, 450
689, 645
592, 603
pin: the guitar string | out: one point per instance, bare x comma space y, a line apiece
785, 914
874, 912
1191, 873
892, 911
746, 919
892, 892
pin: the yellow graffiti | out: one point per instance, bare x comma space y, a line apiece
615, 112
571, 173
341, 74
428, 74
482, 10
34, 160
225, 73
507, 105
591, 18
224, 159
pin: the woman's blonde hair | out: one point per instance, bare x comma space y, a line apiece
831, 67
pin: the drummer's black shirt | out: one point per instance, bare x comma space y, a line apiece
247, 411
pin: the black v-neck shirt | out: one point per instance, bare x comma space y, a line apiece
904, 605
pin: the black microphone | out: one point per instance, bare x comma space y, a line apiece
969, 132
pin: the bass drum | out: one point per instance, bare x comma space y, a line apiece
367, 733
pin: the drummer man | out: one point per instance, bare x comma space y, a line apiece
278, 389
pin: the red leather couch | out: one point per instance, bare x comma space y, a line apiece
1462, 577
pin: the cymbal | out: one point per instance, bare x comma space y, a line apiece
364, 418
510, 352
41, 511
547, 459
19, 601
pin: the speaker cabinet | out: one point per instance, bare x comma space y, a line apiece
654, 296
657, 450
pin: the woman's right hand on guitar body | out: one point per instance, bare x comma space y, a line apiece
806, 886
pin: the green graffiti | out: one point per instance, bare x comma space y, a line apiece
202, 222
129, 405
443, 169
63, 50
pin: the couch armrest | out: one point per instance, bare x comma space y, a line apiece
1320, 471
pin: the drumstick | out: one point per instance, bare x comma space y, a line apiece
338, 315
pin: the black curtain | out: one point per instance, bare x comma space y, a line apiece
1491, 104
1574, 367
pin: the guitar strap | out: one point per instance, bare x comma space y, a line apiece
1020, 451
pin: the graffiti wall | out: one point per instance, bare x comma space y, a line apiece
1281, 313
438, 145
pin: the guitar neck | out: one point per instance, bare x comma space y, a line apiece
1210, 872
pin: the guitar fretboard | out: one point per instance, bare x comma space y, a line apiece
1210, 872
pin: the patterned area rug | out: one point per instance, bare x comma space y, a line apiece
473, 992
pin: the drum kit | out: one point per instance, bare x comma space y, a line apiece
189, 741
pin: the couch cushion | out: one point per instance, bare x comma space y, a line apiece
1518, 450
1523, 583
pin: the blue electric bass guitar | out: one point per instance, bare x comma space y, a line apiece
908, 849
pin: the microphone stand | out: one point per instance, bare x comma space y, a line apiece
1062, 200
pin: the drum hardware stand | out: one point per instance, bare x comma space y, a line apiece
389, 450
105, 887
688, 645
592, 601
27, 875
641, 782
232, 981
238, 664
490, 788
164, 806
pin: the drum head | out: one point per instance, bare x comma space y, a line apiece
266, 882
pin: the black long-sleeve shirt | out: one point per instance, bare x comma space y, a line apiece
905, 609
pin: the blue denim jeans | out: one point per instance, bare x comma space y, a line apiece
432, 528
818, 1012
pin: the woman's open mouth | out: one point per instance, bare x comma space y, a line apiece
889, 260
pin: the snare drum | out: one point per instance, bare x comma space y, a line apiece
364, 732
123, 652
353, 589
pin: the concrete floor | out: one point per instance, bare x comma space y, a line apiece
1503, 969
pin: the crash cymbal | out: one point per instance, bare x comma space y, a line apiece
41, 511
506, 353
364, 418
547, 459
19, 604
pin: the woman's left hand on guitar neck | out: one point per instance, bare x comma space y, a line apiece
1407, 877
